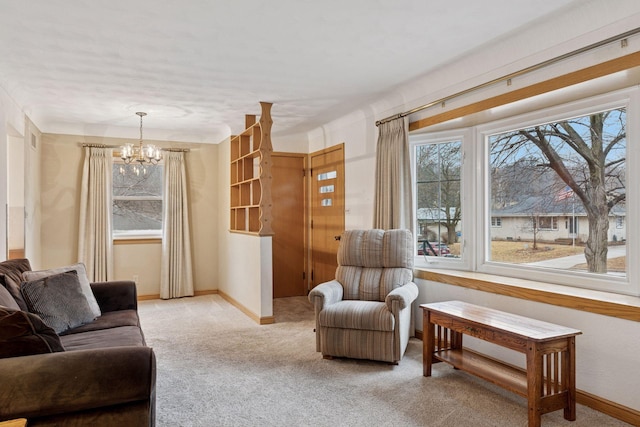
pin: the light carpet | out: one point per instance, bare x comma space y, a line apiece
217, 367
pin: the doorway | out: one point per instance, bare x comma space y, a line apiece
288, 211
327, 211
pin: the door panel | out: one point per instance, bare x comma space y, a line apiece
287, 193
327, 211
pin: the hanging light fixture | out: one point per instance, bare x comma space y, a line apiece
141, 155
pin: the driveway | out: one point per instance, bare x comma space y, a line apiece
569, 261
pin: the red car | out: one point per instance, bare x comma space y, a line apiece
433, 248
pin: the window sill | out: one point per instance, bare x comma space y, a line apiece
604, 303
136, 240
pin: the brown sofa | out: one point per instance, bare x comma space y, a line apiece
98, 374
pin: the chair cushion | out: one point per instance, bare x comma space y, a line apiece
352, 314
372, 263
108, 320
361, 248
123, 336
399, 249
371, 284
376, 248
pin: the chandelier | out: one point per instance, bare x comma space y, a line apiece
141, 155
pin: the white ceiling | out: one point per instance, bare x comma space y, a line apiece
198, 66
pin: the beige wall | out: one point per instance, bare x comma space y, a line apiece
61, 171
245, 272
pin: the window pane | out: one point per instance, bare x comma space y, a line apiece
327, 189
130, 215
147, 181
559, 188
137, 198
438, 216
328, 175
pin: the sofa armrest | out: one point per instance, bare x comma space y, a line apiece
60, 383
405, 295
325, 294
116, 295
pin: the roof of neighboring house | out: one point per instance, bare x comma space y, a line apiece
541, 205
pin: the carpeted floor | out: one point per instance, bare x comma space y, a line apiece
217, 367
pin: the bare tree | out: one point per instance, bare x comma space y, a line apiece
589, 155
438, 191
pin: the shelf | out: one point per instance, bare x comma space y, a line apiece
496, 372
250, 191
254, 219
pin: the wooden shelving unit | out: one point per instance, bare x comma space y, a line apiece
251, 175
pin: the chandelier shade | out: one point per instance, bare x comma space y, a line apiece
141, 154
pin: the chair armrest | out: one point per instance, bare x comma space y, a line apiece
116, 295
405, 295
59, 383
326, 293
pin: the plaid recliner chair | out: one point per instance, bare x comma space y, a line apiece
365, 312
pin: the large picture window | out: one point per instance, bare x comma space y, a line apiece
548, 192
570, 167
137, 201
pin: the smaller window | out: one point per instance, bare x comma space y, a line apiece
548, 222
328, 175
137, 200
327, 189
619, 222
496, 221
438, 171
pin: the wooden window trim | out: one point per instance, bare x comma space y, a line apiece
600, 70
603, 303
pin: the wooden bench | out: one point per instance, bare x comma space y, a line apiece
549, 380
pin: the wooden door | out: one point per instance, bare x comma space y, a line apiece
287, 194
327, 211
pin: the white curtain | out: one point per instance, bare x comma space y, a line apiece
393, 195
176, 278
95, 245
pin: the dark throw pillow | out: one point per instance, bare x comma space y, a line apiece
58, 300
11, 271
6, 299
23, 334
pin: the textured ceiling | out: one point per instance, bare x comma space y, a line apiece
197, 66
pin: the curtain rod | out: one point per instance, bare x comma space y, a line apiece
507, 77
98, 145
177, 150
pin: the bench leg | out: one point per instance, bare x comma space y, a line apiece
534, 383
428, 339
569, 379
